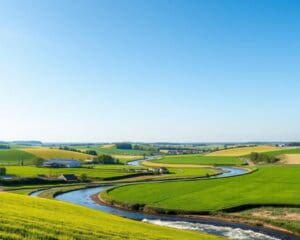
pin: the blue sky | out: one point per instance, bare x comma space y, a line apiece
158, 70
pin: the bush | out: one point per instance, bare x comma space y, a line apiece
106, 159
262, 158
2, 171
127, 146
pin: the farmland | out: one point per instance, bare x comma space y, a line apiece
47, 153
241, 151
97, 172
268, 185
111, 149
23, 217
15, 157
200, 160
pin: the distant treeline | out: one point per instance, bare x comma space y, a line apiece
2, 146
294, 144
90, 152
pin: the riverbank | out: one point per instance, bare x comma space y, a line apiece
212, 216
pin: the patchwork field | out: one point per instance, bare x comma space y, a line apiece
200, 160
242, 151
24, 217
47, 153
98, 172
15, 157
268, 185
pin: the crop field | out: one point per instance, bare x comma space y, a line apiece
100, 171
268, 185
15, 157
200, 160
242, 151
47, 153
24, 217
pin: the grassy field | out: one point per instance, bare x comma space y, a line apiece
242, 151
99, 172
268, 185
200, 160
15, 157
24, 217
47, 153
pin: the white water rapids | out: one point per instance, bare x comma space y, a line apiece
229, 232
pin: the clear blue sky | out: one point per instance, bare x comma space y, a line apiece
156, 70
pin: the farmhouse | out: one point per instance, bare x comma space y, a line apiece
68, 177
59, 163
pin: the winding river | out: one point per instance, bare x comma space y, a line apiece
234, 231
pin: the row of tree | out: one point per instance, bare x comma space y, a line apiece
262, 158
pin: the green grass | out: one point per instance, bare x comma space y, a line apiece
24, 217
268, 185
200, 159
98, 172
15, 157
283, 151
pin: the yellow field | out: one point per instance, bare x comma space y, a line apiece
243, 151
24, 217
108, 146
290, 159
48, 153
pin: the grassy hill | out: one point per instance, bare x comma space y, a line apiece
283, 151
15, 157
47, 153
24, 217
268, 185
242, 151
200, 159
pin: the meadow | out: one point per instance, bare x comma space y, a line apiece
268, 185
15, 157
200, 160
242, 151
24, 217
97, 172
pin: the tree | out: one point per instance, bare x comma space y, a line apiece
106, 159
38, 162
83, 177
91, 152
2, 171
127, 146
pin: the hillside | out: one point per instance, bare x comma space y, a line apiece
24, 217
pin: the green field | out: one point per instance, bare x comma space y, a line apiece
15, 157
268, 185
24, 217
98, 172
200, 160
